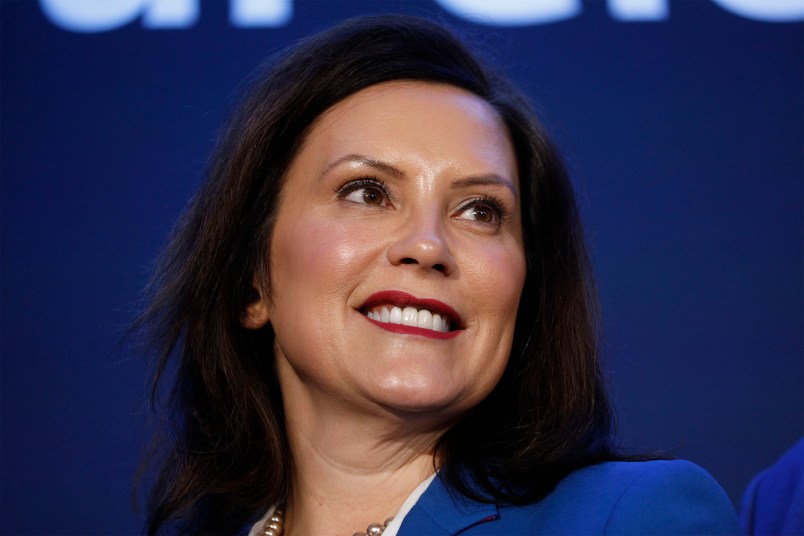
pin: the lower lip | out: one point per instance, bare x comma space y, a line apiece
411, 330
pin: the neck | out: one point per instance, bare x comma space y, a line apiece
350, 471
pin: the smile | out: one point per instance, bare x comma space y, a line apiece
400, 312
409, 316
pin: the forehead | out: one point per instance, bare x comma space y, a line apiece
381, 99
409, 120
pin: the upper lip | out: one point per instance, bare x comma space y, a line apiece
403, 299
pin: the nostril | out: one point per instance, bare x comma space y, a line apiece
437, 267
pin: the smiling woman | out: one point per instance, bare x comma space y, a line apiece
404, 228
380, 308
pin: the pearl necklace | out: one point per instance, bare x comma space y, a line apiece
275, 526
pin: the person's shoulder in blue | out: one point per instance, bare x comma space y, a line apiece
655, 497
774, 500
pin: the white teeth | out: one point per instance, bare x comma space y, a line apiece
425, 319
409, 316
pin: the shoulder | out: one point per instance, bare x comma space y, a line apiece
655, 497
774, 500
660, 497
643, 480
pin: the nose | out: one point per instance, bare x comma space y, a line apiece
422, 243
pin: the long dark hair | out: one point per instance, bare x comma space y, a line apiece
224, 453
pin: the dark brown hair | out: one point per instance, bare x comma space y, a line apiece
224, 453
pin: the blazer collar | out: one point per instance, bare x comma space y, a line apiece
442, 511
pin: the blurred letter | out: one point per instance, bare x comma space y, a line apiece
636, 10
765, 10
512, 12
171, 14
104, 15
91, 15
253, 13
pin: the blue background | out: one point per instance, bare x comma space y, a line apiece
685, 141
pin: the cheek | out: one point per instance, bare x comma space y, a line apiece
498, 273
500, 278
313, 258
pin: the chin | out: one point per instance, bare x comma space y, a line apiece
436, 400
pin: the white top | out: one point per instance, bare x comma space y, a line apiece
393, 526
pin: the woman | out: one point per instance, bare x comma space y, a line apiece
379, 305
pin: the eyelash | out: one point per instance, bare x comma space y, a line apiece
365, 182
490, 202
496, 206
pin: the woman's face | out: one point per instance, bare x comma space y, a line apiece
397, 256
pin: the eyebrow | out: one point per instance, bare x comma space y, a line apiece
366, 161
486, 180
465, 182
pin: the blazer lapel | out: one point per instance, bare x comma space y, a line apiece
444, 512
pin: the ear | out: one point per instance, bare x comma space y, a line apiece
257, 312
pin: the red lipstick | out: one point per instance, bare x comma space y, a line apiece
403, 299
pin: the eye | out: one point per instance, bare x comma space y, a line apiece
485, 210
479, 213
365, 192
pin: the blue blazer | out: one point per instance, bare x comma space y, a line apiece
774, 501
656, 497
